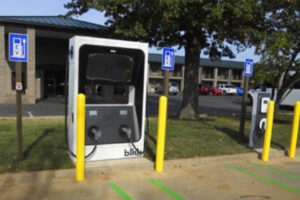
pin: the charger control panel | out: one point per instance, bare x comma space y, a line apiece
264, 104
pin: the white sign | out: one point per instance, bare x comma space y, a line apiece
19, 86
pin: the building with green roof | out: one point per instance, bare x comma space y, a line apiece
211, 72
48, 38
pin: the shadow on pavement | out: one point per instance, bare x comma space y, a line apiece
278, 145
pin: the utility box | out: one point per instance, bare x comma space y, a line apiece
112, 74
258, 121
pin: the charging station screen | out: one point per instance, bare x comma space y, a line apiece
105, 73
109, 67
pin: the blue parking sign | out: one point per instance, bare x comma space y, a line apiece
248, 68
168, 59
18, 47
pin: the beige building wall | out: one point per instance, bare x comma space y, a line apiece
229, 75
215, 82
30, 95
7, 95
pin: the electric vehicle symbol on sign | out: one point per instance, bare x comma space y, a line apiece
248, 68
18, 47
168, 59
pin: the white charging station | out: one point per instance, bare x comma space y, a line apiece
113, 76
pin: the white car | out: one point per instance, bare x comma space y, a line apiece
173, 88
227, 89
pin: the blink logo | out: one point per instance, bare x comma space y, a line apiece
131, 152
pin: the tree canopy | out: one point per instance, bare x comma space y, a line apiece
279, 46
210, 26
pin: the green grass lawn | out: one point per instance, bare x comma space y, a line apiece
212, 136
45, 148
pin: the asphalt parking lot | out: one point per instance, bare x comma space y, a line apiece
208, 105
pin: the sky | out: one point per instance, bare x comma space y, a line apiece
56, 7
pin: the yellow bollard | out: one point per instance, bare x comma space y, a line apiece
295, 129
268, 131
161, 133
80, 137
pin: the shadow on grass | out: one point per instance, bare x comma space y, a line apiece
151, 154
235, 135
148, 149
282, 121
35, 143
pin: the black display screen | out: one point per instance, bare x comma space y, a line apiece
109, 67
105, 73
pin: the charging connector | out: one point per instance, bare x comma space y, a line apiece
127, 131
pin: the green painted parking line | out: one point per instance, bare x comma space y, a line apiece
263, 178
273, 170
123, 194
165, 189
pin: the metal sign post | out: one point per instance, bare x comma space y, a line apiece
166, 83
18, 46
168, 61
19, 108
248, 71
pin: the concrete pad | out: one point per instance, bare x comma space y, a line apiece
274, 153
106, 166
204, 181
136, 164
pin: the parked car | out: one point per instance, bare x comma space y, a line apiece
203, 89
239, 91
173, 88
227, 89
158, 89
214, 91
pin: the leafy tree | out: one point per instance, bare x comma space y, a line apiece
279, 45
210, 26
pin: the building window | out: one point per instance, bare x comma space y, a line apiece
208, 73
236, 74
177, 71
155, 69
223, 74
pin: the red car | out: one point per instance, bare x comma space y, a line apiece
203, 89
207, 89
214, 91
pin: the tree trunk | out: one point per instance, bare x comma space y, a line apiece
189, 107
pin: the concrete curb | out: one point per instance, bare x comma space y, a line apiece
274, 153
112, 166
